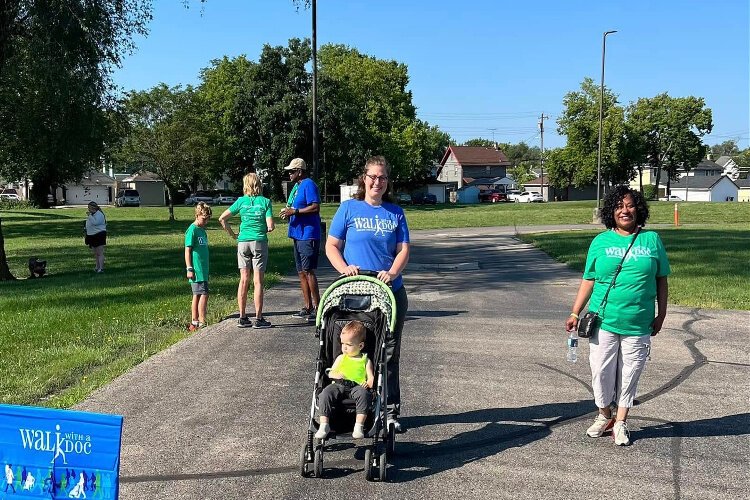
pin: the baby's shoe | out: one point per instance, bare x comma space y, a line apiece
323, 431
359, 431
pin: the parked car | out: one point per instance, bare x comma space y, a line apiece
403, 198
223, 198
9, 197
424, 199
671, 197
199, 196
512, 194
128, 198
529, 197
492, 196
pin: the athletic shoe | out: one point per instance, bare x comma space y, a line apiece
396, 425
323, 431
261, 323
600, 426
620, 433
359, 432
192, 327
244, 322
303, 313
313, 315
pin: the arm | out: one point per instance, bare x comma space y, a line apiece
662, 292
333, 252
287, 212
370, 375
399, 263
224, 221
584, 293
333, 372
270, 225
189, 262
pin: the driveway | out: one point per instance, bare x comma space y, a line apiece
492, 408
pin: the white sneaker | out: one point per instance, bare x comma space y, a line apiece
323, 431
601, 425
620, 433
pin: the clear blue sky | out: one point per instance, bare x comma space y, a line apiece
480, 65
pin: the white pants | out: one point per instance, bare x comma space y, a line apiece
617, 362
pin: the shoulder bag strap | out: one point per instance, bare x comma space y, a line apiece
617, 271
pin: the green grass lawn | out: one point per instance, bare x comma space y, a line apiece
66, 334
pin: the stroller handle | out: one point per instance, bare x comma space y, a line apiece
365, 272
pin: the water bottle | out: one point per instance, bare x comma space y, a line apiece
572, 346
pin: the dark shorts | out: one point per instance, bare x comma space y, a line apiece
306, 254
96, 240
199, 287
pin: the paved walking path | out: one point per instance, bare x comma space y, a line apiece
492, 407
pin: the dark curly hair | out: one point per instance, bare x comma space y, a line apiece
614, 197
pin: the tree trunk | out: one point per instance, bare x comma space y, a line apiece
640, 178
170, 202
5, 274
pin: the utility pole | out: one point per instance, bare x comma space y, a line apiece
315, 91
542, 117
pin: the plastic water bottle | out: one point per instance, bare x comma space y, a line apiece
572, 346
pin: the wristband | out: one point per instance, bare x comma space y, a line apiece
574, 315
296, 211
190, 270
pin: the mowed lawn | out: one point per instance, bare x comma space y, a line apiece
66, 334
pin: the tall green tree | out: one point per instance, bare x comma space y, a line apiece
480, 143
562, 170
726, 148
670, 131
521, 173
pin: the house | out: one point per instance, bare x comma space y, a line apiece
743, 189
538, 185
731, 169
705, 188
93, 186
463, 164
150, 187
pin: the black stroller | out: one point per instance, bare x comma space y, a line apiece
369, 300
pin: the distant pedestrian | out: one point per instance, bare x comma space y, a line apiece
622, 292
256, 221
197, 265
96, 234
303, 212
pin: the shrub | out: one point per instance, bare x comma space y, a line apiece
649, 192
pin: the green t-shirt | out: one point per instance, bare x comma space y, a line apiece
253, 211
197, 239
629, 309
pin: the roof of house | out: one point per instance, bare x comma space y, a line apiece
488, 181
707, 165
144, 176
723, 160
95, 178
743, 183
474, 155
699, 182
535, 182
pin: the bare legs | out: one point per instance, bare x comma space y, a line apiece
310, 292
198, 308
99, 257
257, 291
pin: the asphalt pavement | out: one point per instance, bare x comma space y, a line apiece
492, 408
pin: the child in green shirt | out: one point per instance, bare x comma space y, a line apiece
351, 376
196, 262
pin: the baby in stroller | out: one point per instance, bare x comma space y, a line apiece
352, 376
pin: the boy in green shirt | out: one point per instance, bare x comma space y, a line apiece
196, 262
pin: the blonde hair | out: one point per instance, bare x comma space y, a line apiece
202, 208
251, 185
356, 329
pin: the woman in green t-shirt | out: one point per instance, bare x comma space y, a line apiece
256, 221
619, 349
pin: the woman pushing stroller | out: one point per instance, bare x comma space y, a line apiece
352, 377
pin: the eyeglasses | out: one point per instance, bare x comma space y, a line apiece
379, 178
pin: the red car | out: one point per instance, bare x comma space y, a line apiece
492, 196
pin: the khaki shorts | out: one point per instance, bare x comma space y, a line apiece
252, 252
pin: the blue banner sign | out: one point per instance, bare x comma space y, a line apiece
47, 453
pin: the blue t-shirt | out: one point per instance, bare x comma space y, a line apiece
305, 226
370, 234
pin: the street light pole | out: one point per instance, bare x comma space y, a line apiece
314, 91
597, 213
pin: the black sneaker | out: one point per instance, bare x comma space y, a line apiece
244, 322
313, 315
261, 323
303, 313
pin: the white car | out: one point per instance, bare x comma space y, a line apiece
513, 194
529, 197
224, 199
10, 197
199, 196
671, 197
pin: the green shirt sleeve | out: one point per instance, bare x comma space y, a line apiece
189, 236
662, 269
269, 210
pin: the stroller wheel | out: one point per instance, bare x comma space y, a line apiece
391, 441
382, 465
368, 463
303, 460
319, 462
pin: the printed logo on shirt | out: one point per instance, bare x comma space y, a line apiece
201, 240
377, 225
635, 253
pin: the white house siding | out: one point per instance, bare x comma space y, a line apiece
81, 195
451, 171
151, 193
724, 190
693, 194
347, 192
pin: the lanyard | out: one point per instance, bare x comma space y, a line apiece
292, 195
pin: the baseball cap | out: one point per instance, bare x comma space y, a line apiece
296, 164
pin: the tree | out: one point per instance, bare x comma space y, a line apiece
670, 129
56, 58
521, 173
480, 142
170, 136
562, 171
726, 148
521, 152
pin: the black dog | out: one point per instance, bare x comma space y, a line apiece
37, 268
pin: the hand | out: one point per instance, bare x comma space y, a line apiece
368, 383
658, 322
286, 212
335, 374
191, 275
571, 324
350, 271
386, 277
